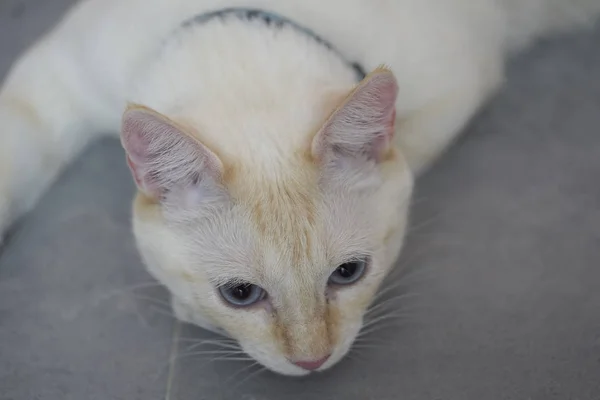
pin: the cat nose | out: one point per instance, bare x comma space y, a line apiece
312, 365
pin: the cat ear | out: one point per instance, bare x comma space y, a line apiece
162, 156
363, 126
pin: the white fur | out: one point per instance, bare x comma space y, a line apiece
252, 96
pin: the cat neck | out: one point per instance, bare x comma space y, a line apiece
274, 21
246, 88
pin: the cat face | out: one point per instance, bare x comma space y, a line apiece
285, 263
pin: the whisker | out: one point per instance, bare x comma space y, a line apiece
403, 275
363, 339
397, 276
388, 321
427, 272
417, 200
364, 334
413, 229
152, 300
356, 354
251, 375
223, 358
128, 289
385, 317
391, 300
98, 300
234, 357
142, 285
220, 339
233, 342
255, 363
222, 352
162, 312
233, 346
388, 312
385, 289
369, 346
378, 328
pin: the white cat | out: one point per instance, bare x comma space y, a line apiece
274, 179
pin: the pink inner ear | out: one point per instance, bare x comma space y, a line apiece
134, 172
364, 125
162, 156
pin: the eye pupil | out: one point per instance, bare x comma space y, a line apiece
347, 270
348, 273
241, 292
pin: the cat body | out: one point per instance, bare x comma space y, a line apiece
267, 169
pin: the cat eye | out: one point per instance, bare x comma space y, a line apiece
242, 294
348, 273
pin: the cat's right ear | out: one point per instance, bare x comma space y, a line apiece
162, 156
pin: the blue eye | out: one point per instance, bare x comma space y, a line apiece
242, 294
348, 273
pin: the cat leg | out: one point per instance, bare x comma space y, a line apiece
48, 113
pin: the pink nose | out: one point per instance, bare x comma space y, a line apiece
312, 365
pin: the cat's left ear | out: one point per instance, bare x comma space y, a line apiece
363, 126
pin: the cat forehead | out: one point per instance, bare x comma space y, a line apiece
285, 223
305, 217
284, 209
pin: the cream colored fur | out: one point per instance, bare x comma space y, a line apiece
270, 213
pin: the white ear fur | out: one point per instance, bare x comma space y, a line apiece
162, 156
363, 125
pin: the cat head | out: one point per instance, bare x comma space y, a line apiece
285, 263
